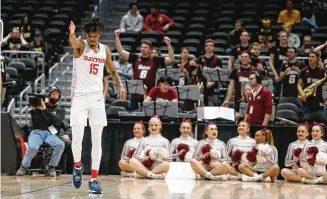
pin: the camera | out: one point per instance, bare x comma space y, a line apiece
35, 99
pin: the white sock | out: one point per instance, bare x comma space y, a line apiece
151, 175
96, 153
77, 134
239, 175
319, 180
208, 175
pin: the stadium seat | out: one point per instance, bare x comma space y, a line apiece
288, 106
287, 114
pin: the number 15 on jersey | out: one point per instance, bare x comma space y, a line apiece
94, 69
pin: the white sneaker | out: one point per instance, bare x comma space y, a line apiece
267, 179
127, 174
246, 178
219, 177
160, 176
232, 177
138, 176
308, 181
199, 177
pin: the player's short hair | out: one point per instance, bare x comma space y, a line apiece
209, 41
293, 48
131, 5
165, 79
255, 44
147, 42
93, 25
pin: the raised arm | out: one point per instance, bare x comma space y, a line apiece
74, 42
171, 56
124, 55
114, 75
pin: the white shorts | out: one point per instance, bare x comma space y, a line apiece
88, 106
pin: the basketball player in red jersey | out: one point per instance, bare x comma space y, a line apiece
145, 66
87, 102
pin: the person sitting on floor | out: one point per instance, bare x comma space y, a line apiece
129, 149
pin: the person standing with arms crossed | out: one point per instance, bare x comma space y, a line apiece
87, 100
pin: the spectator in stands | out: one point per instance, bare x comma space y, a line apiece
260, 102
293, 40
210, 60
277, 54
155, 52
190, 74
289, 73
244, 46
307, 46
144, 66
258, 63
124, 69
163, 92
310, 13
238, 78
234, 36
289, 16
313, 104
157, 21
38, 44
132, 21
244, 99
26, 29
15, 40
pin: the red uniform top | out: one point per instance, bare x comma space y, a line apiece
157, 23
259, 105
156, 94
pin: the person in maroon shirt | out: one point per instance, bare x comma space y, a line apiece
313, 105
157, 21
244, 46
209, 59
164, 92
191, 74
238, 78
144, 66
260, 102
289, 73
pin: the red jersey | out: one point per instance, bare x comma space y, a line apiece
157, 23
239, 49
259, 105
240, 76
157, 95
146, 68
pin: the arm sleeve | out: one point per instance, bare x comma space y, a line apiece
147, 24
230, 147
152, 93
173, 149
304, 156
298, 18
139, 26
122, 24
198, 153
280, 18
224, 156
169, 20
54, 120
139, 150
125, 151
302, 75
268, 103
289, 156
167, 147
272, 159
174, 94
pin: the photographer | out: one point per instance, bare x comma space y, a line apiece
47, 121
